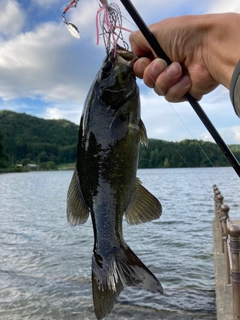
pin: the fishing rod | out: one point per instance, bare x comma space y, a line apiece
195, 105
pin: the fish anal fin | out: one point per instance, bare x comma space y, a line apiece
77, 211
143, 206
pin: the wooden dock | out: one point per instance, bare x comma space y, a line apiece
227, 273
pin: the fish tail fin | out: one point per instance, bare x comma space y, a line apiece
110, 275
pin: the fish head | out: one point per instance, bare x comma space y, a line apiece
119, 60
116, 78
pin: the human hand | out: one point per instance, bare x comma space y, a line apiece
197, 45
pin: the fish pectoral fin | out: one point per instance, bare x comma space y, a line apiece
119, 126
77, 210
143, 206
143, 133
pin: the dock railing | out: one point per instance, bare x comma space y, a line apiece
229, 238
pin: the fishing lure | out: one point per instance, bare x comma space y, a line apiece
109, 18
70, 26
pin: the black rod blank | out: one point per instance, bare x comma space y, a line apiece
195, 105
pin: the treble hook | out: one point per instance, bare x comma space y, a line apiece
70, 26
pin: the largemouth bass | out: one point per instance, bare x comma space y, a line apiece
104, 183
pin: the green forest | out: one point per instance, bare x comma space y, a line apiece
186, 153
31, 140
27, 140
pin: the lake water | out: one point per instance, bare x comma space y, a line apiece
45, 265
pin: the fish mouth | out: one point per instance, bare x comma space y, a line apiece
126, 55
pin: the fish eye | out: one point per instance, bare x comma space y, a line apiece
107, 67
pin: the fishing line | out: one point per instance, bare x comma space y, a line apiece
195, 105
112, 19
197, 143
185, 161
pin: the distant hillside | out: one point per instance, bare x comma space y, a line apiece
4, 159
48, 143
186, 153
30, 139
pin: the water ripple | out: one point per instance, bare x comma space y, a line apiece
45, 265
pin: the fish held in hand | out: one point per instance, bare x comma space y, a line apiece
104, 183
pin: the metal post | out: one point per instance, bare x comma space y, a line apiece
215, 188
219, 216
222, 207
234, 232
224, 212
216, 193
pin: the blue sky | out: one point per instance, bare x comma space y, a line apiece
47, 73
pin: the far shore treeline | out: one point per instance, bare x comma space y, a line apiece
31, 143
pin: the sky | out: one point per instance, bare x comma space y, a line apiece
47, 73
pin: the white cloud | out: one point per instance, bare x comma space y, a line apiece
48, 64
42, 63
46, 3
178, 121
12, 18
71, 113
236, 133
231, 134
217, 6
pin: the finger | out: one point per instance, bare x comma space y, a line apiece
177, 92
140, 65
153, 71
167, 78
139, 44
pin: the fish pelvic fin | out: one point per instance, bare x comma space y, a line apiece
143, 206
77, 210
111, 274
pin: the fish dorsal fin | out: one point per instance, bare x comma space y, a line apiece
77, 210
143, 206
143, 133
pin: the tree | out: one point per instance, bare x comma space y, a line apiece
4, 160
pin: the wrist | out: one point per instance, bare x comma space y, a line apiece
222, 46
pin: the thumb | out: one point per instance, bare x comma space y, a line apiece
139, 44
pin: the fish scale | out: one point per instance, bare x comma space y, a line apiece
104, 183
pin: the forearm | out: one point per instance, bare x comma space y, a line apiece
222, 46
